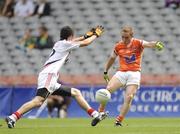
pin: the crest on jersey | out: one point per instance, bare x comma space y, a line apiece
130, 59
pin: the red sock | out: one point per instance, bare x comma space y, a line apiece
17, 115
90, 111
119, 118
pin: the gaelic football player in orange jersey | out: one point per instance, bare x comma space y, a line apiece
129, 50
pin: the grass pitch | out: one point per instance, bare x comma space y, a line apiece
82, 126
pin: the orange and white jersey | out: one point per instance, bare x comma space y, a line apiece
130, 55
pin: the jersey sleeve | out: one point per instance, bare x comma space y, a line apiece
144, 42
141, 44
72, 45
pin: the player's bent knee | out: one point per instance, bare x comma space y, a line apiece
75, 92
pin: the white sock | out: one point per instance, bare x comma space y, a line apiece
13, 117
95, 114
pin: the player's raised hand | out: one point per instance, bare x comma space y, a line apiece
106, 77
159, 45
89, 33
99, 31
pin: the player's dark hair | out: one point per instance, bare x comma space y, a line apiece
66, 32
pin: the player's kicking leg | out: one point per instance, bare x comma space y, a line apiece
67, 91
112, 86
36, 102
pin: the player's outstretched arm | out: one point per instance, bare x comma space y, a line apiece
87, 41
158, 45
90, 36
78, 38
93, 31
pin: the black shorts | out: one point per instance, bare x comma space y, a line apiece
62, 91
43, 92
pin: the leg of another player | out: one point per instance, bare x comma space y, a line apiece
113, 85
97, 117
128, 97
36, 102
83, 103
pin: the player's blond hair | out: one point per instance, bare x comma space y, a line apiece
127, 29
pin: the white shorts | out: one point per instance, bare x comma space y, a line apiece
48, 81
129, 77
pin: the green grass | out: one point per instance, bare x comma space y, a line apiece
82, 126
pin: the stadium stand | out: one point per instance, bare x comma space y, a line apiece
150, 20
